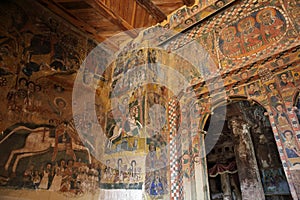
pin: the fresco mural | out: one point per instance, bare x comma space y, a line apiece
253, 90
252, 33
124, 134
125, 146
38, 54
277, 185
249, 29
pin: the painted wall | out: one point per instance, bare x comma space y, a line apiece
40, 56
151, 101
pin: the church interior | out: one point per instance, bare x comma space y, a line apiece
150, 99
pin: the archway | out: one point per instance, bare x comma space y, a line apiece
245, 161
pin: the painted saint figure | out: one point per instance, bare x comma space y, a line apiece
57, 179
47, 177
28, 176
132, 126
156, 188
253, 90
231, 42
285, 83
290, 145
36, 179
270, 25
274, 95
250, 34
151, 158
281, 118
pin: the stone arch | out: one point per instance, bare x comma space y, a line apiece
258, 161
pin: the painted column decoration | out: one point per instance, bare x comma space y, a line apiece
185, 134
251, 186
281, 89
175, 150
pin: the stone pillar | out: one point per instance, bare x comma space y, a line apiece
226, 187
250, 181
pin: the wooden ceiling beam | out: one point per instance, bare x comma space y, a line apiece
153, 10
113, 17
90, 31
189, 2
133, 12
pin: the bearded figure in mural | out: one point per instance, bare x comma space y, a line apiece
270, 25
250, 34
231, 42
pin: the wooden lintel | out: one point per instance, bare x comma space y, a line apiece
90, 31
153, 10
113, 17
188, 2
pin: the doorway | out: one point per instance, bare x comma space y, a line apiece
227, 175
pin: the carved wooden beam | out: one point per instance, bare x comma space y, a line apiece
112, 16
81, 25
152, 9
189, 2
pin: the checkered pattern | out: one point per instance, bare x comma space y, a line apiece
175, 150
172, 111
215, 24
223, 18
230, 16
209, 9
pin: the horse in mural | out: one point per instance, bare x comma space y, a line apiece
39, 141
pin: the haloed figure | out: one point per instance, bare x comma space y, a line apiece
291, 148
156, 185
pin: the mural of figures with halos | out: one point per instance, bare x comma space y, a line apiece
255, 31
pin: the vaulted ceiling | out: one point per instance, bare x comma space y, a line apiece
101, 19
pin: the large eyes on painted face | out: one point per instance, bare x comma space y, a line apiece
228, 33
266, 15
247, 24
220, 4
279, 108
151, 147
283, 76
195, 9
288, 135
